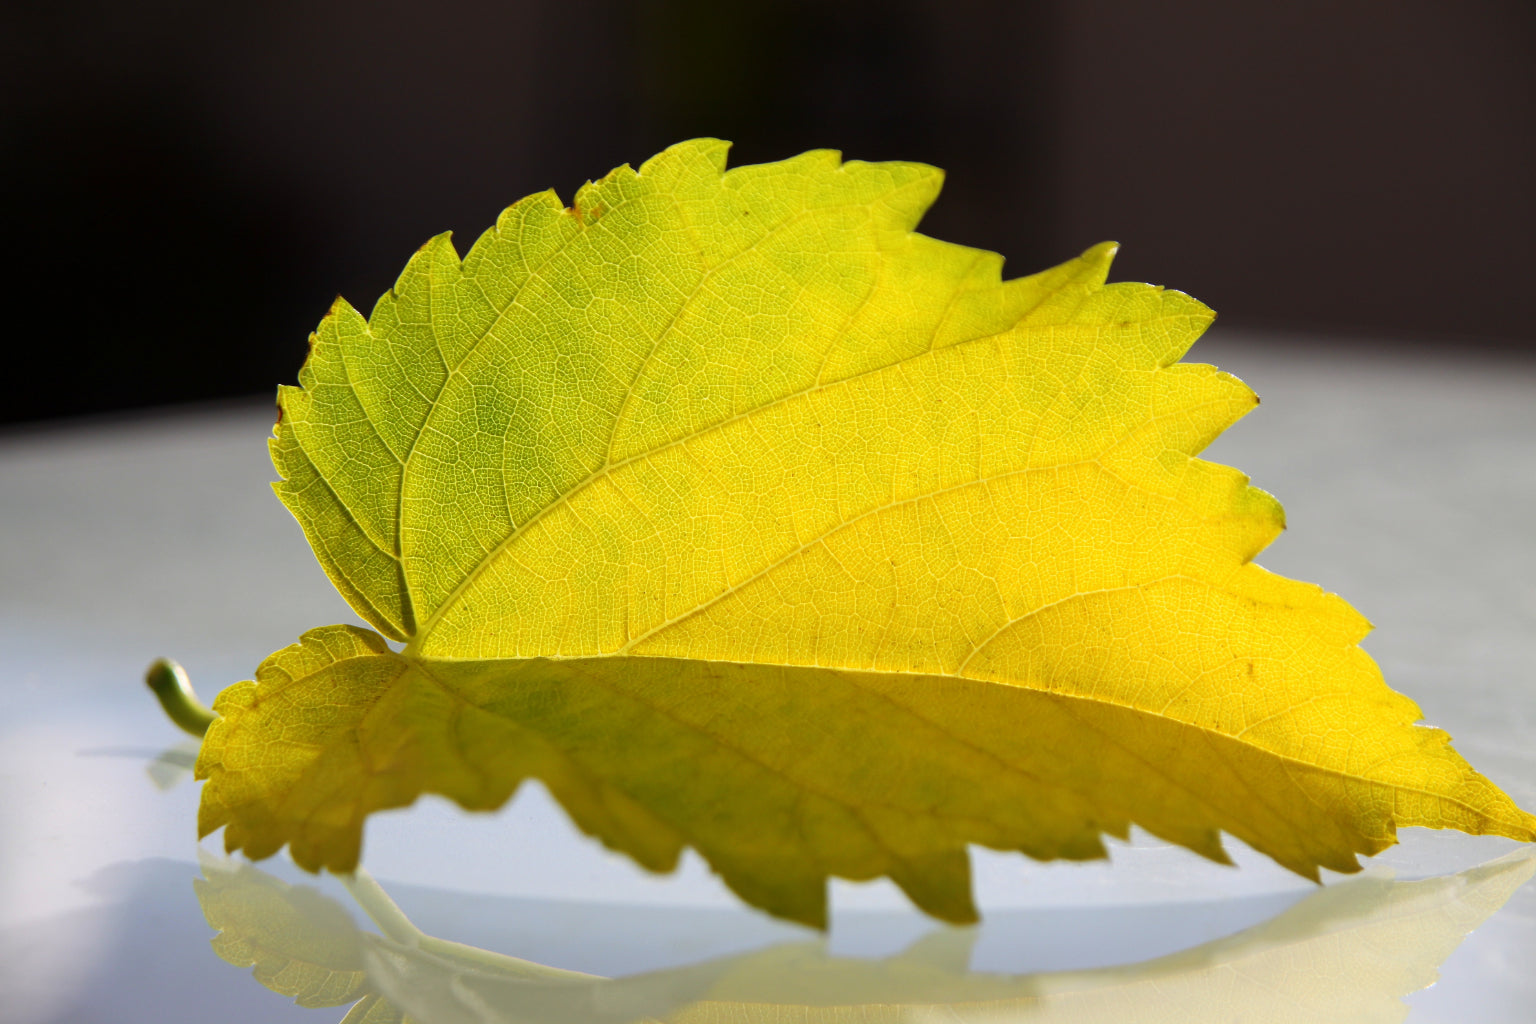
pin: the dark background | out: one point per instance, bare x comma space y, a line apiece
186, 185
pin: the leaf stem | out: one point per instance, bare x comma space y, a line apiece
170, 683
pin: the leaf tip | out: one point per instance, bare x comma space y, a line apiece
339, 307
939, 884
437, 241
709, 152
1215, 850
1104, 252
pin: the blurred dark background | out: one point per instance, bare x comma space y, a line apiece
186, 185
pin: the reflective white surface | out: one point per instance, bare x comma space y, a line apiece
1409, 482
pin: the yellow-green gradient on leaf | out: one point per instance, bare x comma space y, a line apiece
748, 519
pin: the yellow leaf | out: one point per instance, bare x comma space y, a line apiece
747, 518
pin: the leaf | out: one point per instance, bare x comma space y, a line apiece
1347, 953
748, 519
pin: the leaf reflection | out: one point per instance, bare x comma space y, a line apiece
1348, 953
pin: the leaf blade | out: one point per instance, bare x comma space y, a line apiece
748, 422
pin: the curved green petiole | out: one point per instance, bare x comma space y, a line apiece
173, 688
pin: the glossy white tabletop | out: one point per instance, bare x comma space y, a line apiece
1409, 480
